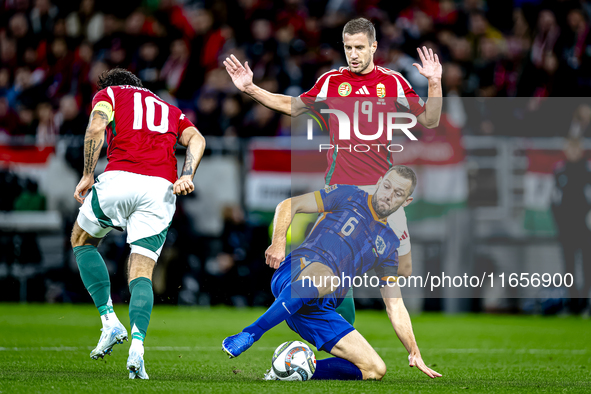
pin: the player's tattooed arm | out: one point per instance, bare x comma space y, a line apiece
93, 140
92, 150
189, 167
195, 143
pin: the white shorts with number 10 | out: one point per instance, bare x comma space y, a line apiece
144, 205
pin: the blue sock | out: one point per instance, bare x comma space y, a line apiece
336, 368
291, 299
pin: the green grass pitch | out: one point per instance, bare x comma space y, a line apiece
45, 348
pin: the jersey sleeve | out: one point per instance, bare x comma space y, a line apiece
404, 247
388, 270
333, 197
408, 100
102, 95
397, 222
319, 91
103, 102
184, 123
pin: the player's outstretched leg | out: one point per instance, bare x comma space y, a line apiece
95, 277
289, 301
140, 309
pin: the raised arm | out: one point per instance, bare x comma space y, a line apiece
432, 70
284, 214
195, 143
93, 142
242, 78
401, 322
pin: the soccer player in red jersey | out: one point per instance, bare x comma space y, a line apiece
136, 192
342, 89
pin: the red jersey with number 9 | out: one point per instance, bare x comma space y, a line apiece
348, 92
143, 131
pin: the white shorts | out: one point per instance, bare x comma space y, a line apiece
397, 222
144, 205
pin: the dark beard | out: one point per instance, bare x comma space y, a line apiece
365, 66
379, 212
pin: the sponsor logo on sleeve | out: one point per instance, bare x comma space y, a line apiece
329, 188
404, 236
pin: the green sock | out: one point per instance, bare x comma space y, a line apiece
347, 309
140, 306
95, 276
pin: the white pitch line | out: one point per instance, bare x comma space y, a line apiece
508, 351
262, 348
148, 348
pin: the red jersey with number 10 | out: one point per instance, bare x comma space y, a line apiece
143, 131
361, 160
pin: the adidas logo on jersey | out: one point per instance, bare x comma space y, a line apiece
404, 236
363, 90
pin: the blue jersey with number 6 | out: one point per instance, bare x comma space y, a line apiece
349, 237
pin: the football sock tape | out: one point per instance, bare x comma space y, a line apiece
140, 304
105, 309
94, 274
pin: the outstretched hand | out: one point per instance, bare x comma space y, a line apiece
431, 67
417, 361
241, 75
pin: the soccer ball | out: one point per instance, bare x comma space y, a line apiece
294, 360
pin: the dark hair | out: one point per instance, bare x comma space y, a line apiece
118, 76
405, 172
360, 25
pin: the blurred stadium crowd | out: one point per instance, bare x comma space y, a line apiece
52, 52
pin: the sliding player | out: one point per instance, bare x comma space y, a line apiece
351, 238
137, 191
362, 80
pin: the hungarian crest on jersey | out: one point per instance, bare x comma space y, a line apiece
381, 89
345, 89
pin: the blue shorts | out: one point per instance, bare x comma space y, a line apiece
317, 321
